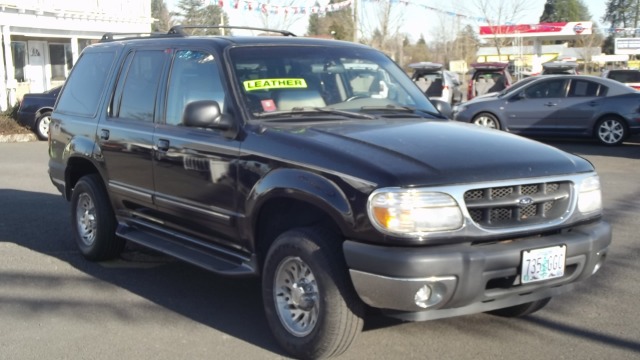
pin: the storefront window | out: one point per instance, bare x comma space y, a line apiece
19, 55
61, 61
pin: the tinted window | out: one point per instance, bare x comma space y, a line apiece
582, 88
81, 94
194, 76
625, 76
546, 89
138, 85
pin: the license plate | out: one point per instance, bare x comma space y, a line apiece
542, 264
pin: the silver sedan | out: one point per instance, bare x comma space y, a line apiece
559, 105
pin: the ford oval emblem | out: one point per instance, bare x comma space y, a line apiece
525, 201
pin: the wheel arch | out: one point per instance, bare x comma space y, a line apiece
289, 198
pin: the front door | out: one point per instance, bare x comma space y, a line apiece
35, 71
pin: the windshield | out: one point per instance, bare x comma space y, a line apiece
286, 79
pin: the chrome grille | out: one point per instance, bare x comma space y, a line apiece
509, 206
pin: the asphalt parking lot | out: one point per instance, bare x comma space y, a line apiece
56, 305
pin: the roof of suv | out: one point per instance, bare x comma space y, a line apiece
268, 36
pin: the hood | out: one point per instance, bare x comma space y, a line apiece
419, 153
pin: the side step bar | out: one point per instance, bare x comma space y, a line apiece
204, 255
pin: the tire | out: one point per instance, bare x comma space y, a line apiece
310, 304
93, 221
611, 131
522, 309
42, 125
487, 120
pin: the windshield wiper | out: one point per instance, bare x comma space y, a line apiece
402, 109
314, 110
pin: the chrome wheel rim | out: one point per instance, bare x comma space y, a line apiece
611, 131
296, 296
43, 126
486, 121
86, 220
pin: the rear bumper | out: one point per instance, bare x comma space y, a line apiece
466, 278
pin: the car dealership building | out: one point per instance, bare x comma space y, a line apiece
42, 39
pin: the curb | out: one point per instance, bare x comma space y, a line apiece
18, 138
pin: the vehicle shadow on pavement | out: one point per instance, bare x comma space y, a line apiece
234, 306
41, 223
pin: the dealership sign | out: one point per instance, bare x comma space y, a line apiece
557, 30
628, 46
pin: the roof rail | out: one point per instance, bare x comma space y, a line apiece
128, 36
179, 29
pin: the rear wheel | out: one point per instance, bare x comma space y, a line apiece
93, 221
522, 309
487, 120
42, 125
310, 304
611, 131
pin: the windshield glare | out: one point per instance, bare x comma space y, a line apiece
274, 79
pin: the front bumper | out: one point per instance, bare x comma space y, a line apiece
468, 278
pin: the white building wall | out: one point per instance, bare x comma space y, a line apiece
43, 23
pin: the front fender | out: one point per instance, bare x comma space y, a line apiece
301, 185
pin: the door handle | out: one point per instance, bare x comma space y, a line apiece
104, 134
550, 104
162, 145
593, 103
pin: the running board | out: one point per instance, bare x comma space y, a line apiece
208, 257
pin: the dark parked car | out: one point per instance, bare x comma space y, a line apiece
268, 156
560, 105
35, 111
487, 78
629, 77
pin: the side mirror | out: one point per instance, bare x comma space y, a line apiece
443, 108
205, 114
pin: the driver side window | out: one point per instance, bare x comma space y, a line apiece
194, 76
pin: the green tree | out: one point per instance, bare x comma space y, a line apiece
160, 14
338, 24
193, 12
565, 11
622, 13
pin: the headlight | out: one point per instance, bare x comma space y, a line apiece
406, 212
590, 197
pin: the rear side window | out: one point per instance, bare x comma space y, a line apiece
583, 88
85, 85
135, 96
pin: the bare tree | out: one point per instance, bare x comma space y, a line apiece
501, 12
380, 24
281, 15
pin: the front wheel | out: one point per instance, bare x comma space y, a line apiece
93, 221
522, 309
487, 120
42, 125
310, 304
611, 131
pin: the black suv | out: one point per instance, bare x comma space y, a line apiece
279, 157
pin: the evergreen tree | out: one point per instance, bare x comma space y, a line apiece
193, 12
565, 11
161, 15
338, 24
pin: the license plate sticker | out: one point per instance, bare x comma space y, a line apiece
542, 264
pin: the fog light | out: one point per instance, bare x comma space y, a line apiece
422, 296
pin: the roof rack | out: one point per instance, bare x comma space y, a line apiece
179, 29
110, 36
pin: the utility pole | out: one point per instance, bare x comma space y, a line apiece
356, 23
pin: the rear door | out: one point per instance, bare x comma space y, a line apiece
125, 137
578, 112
